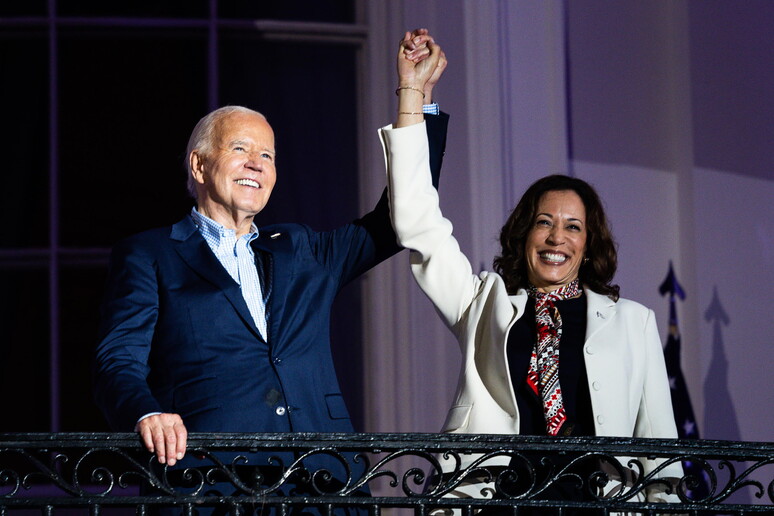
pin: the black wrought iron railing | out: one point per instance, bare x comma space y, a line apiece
96, 473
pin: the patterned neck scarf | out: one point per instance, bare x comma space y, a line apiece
543, 375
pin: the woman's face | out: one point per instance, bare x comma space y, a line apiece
556, 242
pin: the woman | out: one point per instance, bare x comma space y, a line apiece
551, 291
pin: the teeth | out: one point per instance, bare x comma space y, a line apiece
553, 257
247, 182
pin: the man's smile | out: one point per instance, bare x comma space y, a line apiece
248, 182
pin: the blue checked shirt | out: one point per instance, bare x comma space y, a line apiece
431, 109
238, 258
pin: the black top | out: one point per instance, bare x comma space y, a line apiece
572, 370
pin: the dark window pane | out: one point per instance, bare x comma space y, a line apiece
316, 139
135, 8
339, 11
315, 127
24, 351
80, 292
129, 100
24, 8
24, 93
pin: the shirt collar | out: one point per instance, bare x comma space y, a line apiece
213, 231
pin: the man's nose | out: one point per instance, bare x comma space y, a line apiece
254, 162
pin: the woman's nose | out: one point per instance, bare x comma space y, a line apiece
555, 236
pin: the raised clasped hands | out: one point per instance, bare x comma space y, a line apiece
421, 63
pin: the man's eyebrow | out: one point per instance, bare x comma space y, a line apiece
245, 142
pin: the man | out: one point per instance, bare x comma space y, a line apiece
215, 325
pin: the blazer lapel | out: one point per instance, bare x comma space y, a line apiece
195, 252
276, 250
599, 312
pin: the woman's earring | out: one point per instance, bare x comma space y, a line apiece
586, 259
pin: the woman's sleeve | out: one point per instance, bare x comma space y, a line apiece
439, 267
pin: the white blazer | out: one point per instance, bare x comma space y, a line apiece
624, 359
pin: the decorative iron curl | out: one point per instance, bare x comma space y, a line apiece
9, 477
654, 478
439, 488
365, 459
196, 479
320, 481
607, 465
569, 472
141, 472
99, 475
692, 481
41, 471
508, 478
415, 474
735, 483
480, 474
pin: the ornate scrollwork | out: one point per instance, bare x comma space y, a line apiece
502, 470
10, 480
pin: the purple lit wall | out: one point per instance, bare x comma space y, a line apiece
673, 115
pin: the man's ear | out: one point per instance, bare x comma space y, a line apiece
196, 161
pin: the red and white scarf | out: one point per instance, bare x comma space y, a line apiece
543, 375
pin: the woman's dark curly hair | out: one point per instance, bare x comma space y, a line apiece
595, 273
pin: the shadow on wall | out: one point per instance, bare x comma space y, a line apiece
720, 420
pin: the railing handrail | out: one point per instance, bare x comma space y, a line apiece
738, 450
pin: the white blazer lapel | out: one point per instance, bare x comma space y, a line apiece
599, 312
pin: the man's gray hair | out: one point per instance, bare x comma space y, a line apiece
203, 135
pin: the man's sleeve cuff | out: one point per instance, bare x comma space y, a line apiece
149, 414
431, 109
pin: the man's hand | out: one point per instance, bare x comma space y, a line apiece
430, 84
165, 435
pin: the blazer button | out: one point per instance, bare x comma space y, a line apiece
280, 411
589, 351
601, 419
277, 360
596, 386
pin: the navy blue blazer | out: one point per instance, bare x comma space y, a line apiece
176, 334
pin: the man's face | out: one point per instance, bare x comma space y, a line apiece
235, 178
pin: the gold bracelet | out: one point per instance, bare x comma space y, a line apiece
408, 113
410, 88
